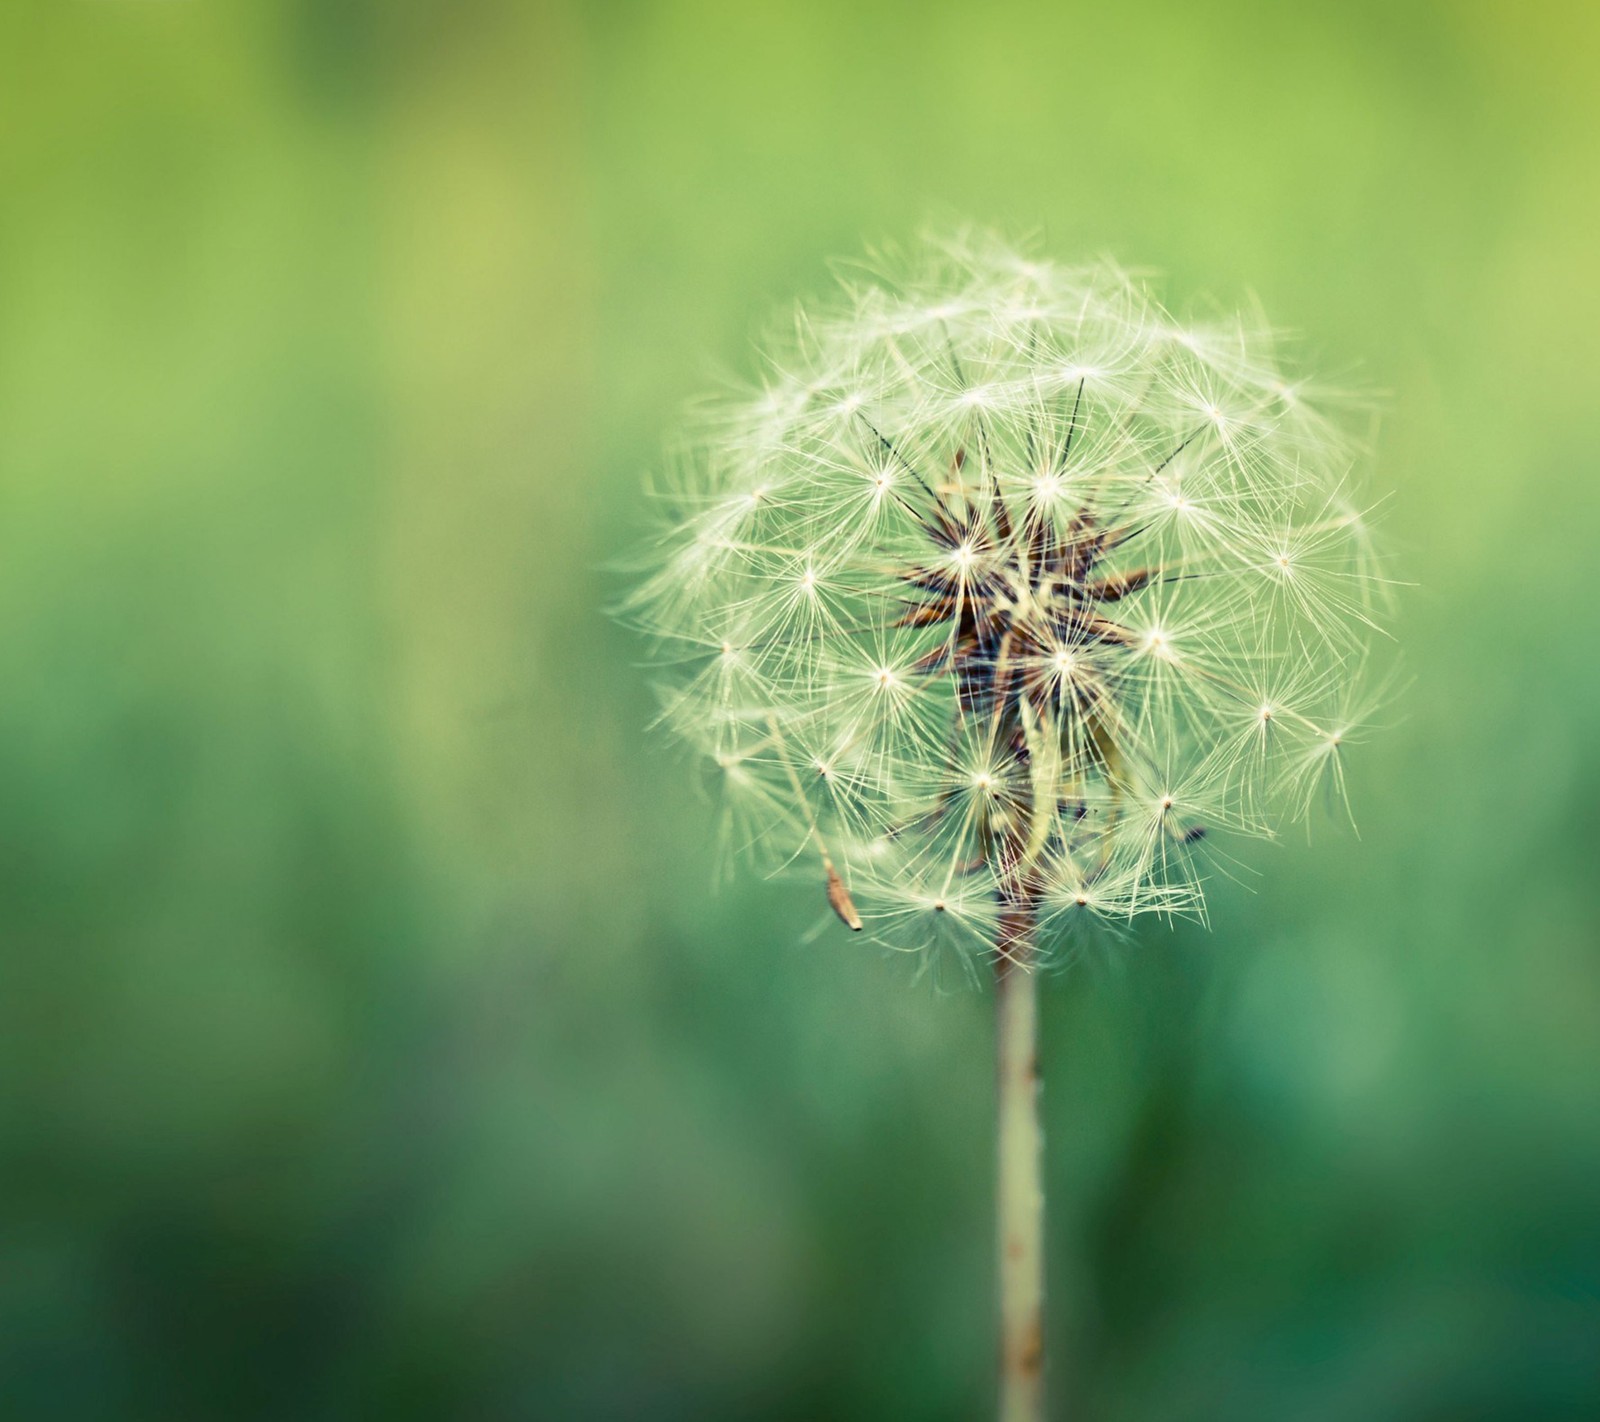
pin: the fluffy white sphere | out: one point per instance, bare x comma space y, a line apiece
1005, 591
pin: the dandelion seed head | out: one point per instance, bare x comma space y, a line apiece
990, 595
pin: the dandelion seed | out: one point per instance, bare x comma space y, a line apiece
840, 901
1047, 488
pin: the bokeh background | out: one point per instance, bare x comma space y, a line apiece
372, 1041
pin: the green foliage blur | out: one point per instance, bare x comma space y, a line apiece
373, 1041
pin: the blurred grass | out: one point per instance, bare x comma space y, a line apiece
372, 1042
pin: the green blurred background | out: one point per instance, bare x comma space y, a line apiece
372, 1041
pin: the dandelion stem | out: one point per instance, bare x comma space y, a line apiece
1019, 1186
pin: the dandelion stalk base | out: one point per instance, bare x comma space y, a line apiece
1019, 1184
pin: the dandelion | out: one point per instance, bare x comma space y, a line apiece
1001, 594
